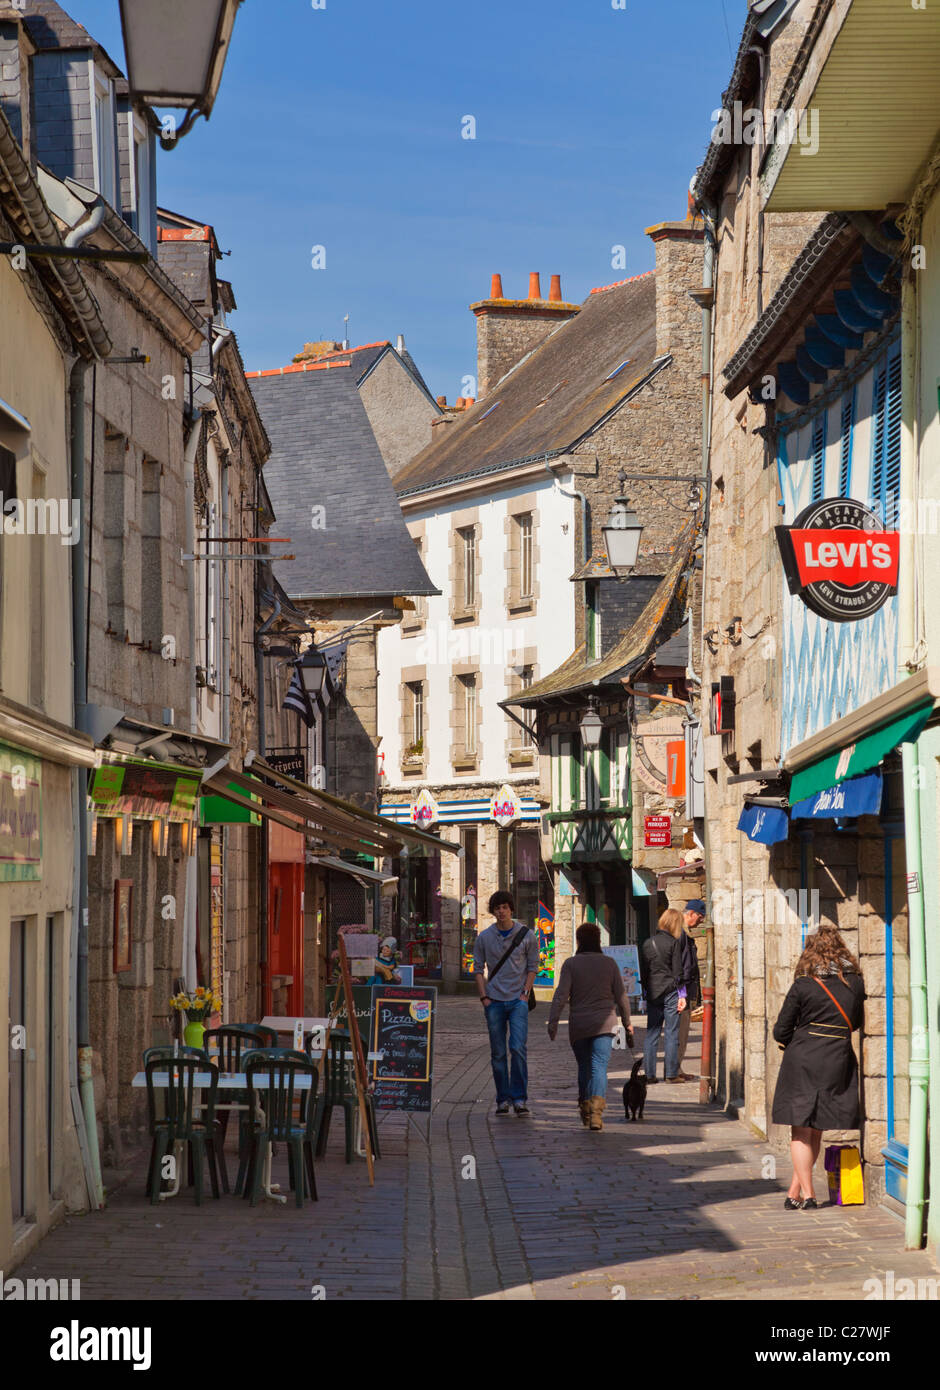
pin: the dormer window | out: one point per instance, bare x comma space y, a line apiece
142, 191
105, 140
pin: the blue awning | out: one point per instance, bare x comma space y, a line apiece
640, 889
857, 796
764, 824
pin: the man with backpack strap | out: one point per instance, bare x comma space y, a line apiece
508, 951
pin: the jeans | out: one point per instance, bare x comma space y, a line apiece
660, 1011
512, 1013
593, 1055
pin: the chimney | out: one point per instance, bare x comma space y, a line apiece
508, 329
679, 269
400, 345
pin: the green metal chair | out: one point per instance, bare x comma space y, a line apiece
338, 1092
163, 1051
271, 1103
179, 1124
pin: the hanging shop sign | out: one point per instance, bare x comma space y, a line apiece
144, 792
20, 816
858, 796
657, 832
291, 764
765, 825
721, 710
839, 559
651, 742
506, 807
424, 810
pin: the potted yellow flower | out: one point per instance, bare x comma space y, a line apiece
196, 1007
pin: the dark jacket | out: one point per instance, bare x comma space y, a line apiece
660, 965
818, 1082
691, 977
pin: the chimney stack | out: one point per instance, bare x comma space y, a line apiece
508, 329
680, 259
400, 345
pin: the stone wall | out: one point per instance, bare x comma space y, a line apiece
399, 412
509, 329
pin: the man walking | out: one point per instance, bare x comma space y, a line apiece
694, 914
509, 953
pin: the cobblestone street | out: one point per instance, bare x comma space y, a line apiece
675, 1207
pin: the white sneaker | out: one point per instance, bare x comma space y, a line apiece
503, 1107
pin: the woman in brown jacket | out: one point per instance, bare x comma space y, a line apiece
592, 986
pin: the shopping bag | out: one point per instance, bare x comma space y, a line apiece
843, 1164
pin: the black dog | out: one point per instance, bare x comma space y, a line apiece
634, 1093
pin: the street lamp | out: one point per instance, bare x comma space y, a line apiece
313, 672
622, 534
176, 50
591, 726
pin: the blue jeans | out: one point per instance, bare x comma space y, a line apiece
510, 1084
593, 1055
660, 1011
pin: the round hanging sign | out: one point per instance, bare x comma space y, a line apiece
839, 559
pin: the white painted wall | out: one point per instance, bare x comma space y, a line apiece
491, 643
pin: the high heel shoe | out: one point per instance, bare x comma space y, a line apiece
792, 1204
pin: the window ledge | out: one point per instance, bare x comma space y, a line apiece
466, 764
465, 615
525, 605
519, 757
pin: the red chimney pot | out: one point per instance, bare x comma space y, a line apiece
496, 287
554, 293
535, 289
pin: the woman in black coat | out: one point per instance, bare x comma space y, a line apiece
817, 1087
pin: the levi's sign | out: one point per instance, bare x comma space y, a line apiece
840, 560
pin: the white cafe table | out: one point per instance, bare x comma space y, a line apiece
284, 1023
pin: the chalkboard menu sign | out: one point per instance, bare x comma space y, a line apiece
362, 1003
403, 1031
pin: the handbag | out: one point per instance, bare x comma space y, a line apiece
519, 936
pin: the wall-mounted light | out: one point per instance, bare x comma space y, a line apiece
161, 836
622, 534
591, 726
124, 835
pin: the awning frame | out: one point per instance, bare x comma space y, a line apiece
884, 709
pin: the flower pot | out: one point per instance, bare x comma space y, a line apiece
194, 1034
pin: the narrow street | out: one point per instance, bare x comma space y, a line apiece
673, 1208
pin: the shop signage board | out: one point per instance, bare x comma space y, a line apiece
839, 559
362, 1005
20, 816
651, 742
425, 811
657, 832
506, 807
144, 792
628, 963
290, 764
403, 1031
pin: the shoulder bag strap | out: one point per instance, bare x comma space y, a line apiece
835, 1001
519, 936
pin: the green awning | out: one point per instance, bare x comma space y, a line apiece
861, 756
218, 810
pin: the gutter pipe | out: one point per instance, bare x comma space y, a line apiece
192, 862
81, 1082
708, 1084
919, 1068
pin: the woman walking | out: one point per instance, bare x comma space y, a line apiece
661, 969
817, 1087
591, 985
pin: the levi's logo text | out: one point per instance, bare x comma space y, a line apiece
839, 559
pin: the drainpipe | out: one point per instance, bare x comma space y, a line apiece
263, 896
192, 862
708, 1084
919, 1069
81, 1082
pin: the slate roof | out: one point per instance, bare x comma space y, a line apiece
660, 619
325, 454
50, 27
555, 395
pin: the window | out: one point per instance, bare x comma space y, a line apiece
415, 617
521, 738
144, 218
469, 684
525, 680
37, 600
819, 456
106, 140
468, 566
526, 566
845, 444
413, 722
886, 454
417, 712
151, 555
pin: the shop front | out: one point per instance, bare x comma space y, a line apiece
441, 908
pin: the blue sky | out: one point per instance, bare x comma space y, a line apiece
341, 127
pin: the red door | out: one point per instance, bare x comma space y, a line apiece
286, 929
